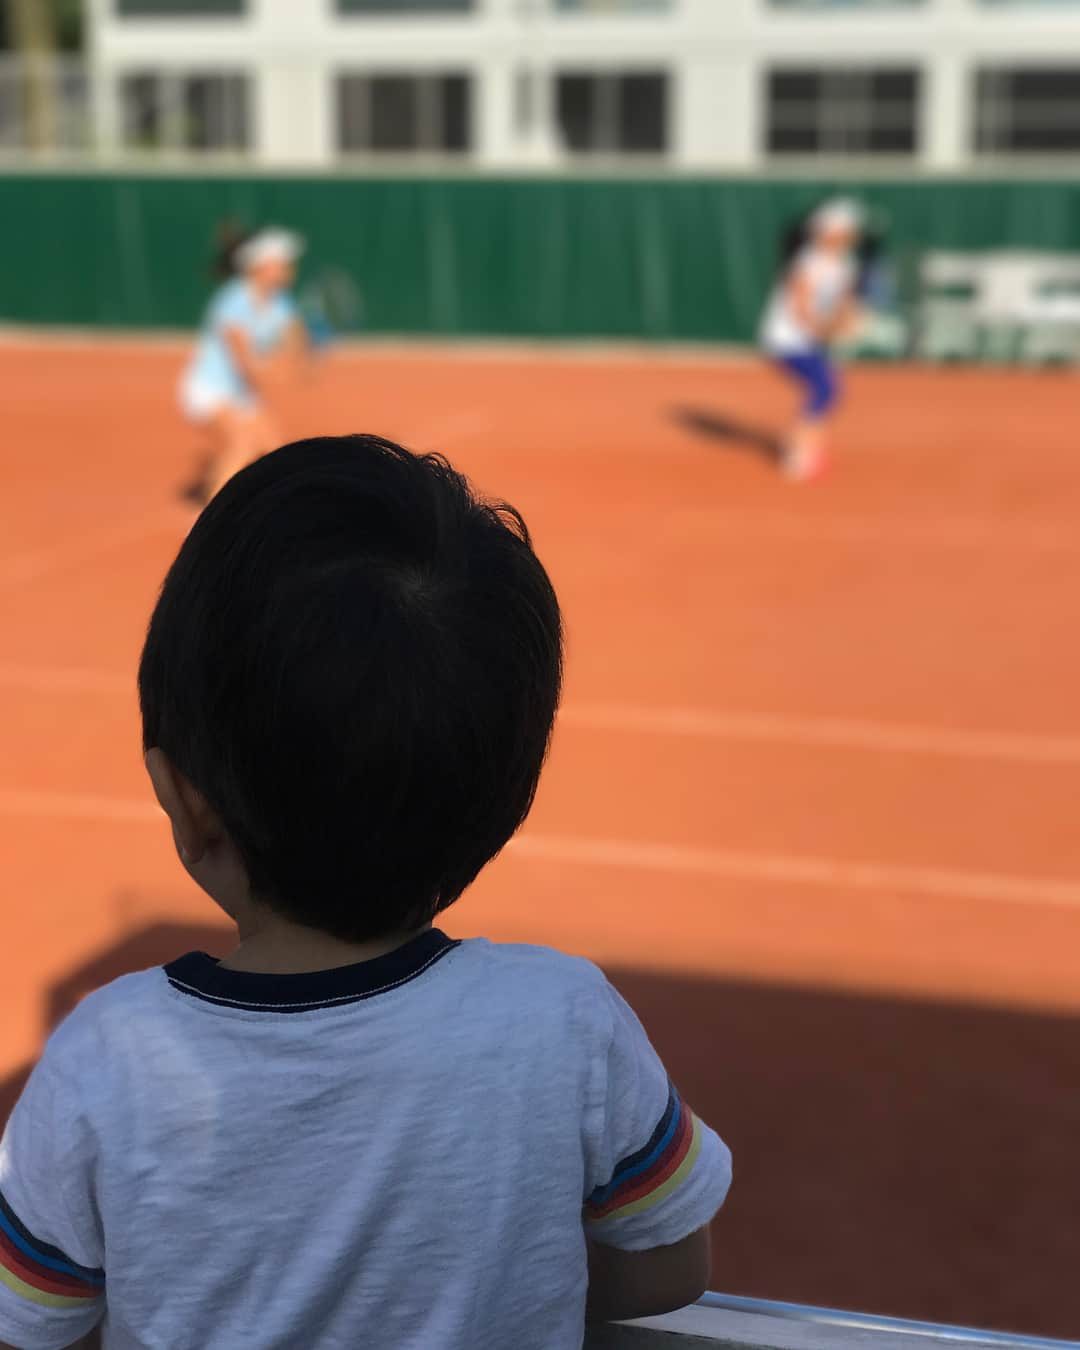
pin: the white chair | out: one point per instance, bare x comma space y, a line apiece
947, 313
1051, 313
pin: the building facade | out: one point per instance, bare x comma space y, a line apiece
687, 85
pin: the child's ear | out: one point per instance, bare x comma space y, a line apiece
194, 823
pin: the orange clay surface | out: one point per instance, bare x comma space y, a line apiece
814, 799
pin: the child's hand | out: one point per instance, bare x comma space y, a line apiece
626, 1284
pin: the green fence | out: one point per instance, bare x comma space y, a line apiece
659, 259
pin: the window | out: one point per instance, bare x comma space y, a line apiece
623, 113
404, 7
180, 8
1027, 110
844, 4
612, 6
201, 111
404, 113
814, 111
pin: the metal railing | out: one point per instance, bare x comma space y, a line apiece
757, 1324
62, 87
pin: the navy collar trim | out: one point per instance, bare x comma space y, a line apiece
200, 976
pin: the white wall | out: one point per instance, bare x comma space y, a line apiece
716, 52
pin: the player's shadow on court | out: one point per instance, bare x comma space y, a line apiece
150, 945
730, 432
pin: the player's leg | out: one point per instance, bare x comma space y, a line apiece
264, 432
235, 432
805, 454
242, 433
204, 406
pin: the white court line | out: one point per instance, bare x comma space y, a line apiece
693, 723
505, 350
800, 871
841, 732
49, 679
633, 855
73, 806
86, 547
934, 531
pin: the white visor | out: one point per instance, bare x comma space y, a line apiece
842, 214
269, 245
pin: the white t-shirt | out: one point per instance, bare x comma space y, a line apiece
831, 277
404, 1154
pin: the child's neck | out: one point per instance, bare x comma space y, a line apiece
272, 945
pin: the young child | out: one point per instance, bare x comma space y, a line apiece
354, 1130
815, 303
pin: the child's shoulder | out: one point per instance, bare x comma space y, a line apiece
118, 1008
541, 977
542, 963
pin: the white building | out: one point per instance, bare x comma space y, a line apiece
692, 85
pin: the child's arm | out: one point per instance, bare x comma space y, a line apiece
92, 1341
52, 1284
644, 1284
655, 1173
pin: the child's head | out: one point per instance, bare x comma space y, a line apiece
354, 667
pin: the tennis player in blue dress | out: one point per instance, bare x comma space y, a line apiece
253, 341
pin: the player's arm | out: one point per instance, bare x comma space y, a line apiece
644, 1284
290, 360
840, 324
297, 347
243, 355
846, 319
800, 296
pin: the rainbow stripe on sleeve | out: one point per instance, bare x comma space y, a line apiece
654, 1172
41, 1273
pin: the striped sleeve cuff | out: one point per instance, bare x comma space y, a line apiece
40, 1273
655, 1172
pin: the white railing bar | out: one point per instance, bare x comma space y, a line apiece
832, 1317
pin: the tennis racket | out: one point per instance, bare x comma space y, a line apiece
331, 306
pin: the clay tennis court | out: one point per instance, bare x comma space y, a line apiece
814, 800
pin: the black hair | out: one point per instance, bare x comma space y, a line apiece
793, 239
229, 236
357, 661
797, 233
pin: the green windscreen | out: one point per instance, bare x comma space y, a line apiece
688, 258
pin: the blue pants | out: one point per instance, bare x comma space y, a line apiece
818, 376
